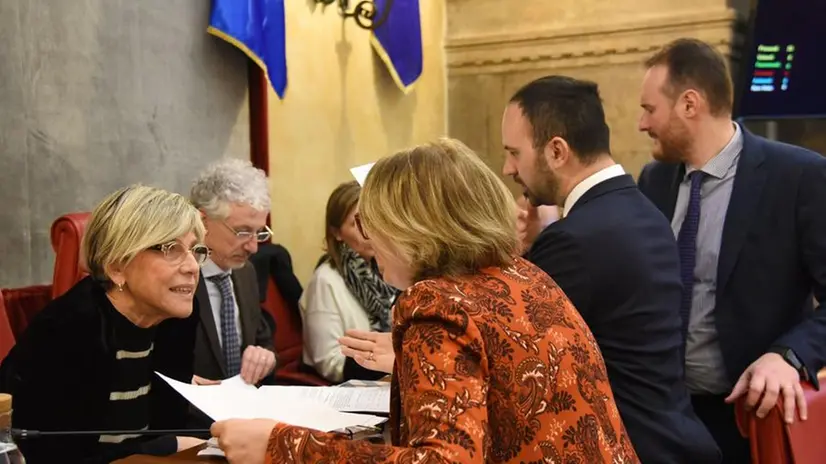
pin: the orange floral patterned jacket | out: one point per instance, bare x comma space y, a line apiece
494, 367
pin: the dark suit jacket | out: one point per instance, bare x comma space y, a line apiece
60, 372
773, 253
209, 357
615, 257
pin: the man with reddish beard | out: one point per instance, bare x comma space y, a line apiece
614, 256
750, 219
233, 337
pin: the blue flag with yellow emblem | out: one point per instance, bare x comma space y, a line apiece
398, 41
257, 27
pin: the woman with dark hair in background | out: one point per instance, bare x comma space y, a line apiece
345, 293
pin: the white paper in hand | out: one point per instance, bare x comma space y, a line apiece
211, 449
237, 382
236, 400
228, 400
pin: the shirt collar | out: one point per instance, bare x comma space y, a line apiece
588, 183
723, 161
209, 269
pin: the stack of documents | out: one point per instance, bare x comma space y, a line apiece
375, 400
314, 409
368, 383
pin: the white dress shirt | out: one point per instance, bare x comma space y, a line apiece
328, 309
588, 183
210, 269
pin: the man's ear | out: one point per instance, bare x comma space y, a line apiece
204, 219
557, 152
689, 103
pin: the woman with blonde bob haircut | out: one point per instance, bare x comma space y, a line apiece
494, 364
87, 360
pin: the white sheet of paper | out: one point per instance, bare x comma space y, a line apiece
231, 401
237, 382
360, 172
220, 402
211, 449
355, 383
363, 399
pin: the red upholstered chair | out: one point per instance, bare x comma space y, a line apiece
6, 335
67, 234
288, 340
22, 304
774, 442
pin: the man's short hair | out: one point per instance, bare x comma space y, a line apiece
560, 106
227, 181
694, 64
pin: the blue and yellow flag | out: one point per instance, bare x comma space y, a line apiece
258, 28
399, 41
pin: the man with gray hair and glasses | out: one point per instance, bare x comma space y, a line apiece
233, 337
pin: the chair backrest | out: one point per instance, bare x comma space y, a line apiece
280, 292
6, 334
67, 236
288, 336
23, 303
288, 339
772, 441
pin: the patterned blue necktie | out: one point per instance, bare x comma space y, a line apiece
229, 333
687, 244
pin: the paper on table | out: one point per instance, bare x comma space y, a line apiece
360, 172
363, 399
211, 449
366, 383
230, 401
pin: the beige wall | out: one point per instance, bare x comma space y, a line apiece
341, 109
605, 41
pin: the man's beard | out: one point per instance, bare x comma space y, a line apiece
674, 142
546, 192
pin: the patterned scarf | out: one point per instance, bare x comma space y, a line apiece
365, 283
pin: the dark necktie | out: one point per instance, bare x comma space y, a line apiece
687, 244
229, 332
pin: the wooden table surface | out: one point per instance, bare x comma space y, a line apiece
189, 456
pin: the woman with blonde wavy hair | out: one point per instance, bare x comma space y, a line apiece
87, 360
493, 362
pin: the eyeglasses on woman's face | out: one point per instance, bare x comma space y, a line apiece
175, 252
357, 217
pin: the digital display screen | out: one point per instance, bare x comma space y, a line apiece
786, 63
